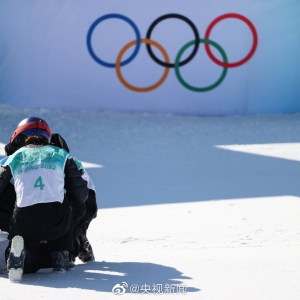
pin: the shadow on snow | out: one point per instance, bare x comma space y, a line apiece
103, 276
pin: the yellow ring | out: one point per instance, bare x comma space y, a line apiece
142, 89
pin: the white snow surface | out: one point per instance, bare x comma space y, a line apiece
208, 205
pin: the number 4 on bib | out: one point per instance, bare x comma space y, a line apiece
39, 183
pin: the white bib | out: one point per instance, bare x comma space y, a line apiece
38, 174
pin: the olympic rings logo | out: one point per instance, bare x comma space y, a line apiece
35, 155
178, 63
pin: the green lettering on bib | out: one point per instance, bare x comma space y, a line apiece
39, 183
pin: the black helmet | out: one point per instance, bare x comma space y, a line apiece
32, 126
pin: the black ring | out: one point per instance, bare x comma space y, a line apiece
177, 16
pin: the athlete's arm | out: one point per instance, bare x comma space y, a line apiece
5, 176
75, 185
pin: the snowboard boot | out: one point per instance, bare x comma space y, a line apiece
85, 252
16, 258
60, 261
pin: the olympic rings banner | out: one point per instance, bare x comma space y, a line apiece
201, 57
195, 43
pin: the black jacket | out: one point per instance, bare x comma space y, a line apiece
7, 204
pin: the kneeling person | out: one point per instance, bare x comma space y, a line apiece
41, 174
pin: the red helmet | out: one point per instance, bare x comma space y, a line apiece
32, 126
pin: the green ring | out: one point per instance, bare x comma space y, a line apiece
204, 89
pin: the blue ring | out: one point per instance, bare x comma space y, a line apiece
89, 37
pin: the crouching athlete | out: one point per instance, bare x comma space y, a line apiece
82, 214
48, 185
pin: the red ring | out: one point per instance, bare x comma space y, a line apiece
242, 61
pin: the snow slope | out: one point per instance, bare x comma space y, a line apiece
208, 205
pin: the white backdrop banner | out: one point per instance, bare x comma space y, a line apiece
202, 57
